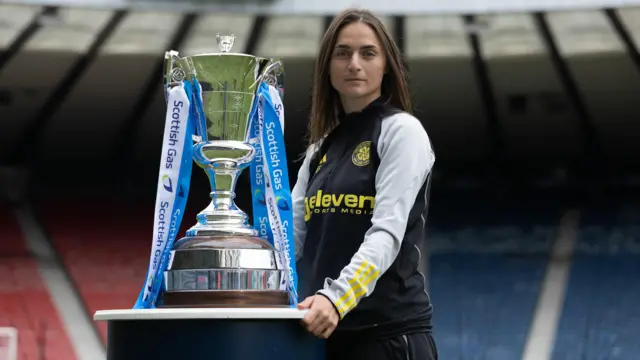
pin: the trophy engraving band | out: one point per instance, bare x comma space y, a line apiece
227, 279
249, 259
225, 114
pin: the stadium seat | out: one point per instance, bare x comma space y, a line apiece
24, 301
601, 317
484, 279
105, 246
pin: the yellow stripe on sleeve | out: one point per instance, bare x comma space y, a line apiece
347, 294
362, 288
362, 277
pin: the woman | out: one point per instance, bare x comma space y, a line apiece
360, 200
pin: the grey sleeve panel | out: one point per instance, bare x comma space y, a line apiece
297, 198
406, 158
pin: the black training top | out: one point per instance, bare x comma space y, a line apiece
360, 206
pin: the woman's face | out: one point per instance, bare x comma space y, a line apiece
357, 64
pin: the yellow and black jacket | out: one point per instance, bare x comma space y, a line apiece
360, 207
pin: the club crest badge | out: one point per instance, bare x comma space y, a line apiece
360, 156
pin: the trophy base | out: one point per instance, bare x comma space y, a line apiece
224, 271
224, 299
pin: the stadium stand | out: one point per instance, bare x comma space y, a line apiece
485, 270
601, 317
25, 303
104, 244
100, 246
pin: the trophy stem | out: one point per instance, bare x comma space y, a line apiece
223, 161
223, 183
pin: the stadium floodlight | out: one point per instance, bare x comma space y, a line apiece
13, 20
8, 343
143, 32
510, 35
583, 32
291, 36
74, 30
436, 37
202, 38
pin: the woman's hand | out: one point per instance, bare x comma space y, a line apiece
322, 317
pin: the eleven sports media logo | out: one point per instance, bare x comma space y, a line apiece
353, 204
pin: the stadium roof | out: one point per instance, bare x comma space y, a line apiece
382, 7
142, 32
516, 76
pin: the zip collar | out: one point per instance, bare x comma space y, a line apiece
358, 116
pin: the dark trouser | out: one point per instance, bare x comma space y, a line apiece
419, 346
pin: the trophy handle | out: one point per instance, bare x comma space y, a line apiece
272, 74
172, 74
277, 79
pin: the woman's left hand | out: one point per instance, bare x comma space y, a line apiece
322, 317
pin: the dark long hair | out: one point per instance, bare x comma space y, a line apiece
325, 101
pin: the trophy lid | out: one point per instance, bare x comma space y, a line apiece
225, 41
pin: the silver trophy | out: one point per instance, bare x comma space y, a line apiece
222, 262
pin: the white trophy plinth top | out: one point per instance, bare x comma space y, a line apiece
199, 313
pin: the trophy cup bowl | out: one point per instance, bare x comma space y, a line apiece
221, 262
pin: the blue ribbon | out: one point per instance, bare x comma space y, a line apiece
180, 193
268, 140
